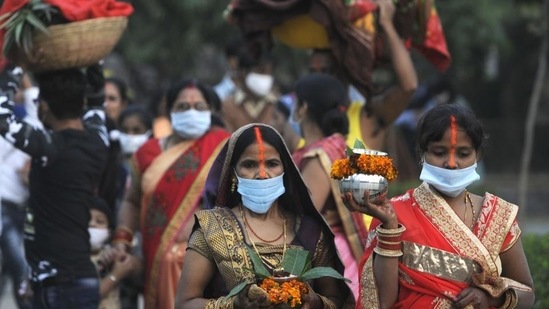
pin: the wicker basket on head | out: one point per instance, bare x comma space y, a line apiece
76, 44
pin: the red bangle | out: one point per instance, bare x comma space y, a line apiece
386, 238
123, 235
390, 245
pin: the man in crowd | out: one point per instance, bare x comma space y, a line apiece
67, 162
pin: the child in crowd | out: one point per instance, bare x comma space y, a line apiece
111, 271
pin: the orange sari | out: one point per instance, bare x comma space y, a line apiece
172, 184
442, 256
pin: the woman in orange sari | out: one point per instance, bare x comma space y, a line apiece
166, 189
438, 245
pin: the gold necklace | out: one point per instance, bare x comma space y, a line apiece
278, 269
465, 198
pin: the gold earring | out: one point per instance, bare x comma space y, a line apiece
233, 184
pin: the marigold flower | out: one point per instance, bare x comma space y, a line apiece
288, 292
364, 164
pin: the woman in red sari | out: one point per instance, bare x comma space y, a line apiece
438, 245
166, 189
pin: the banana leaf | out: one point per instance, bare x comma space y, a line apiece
296, 261
319, 272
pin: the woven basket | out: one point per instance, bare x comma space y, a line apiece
76, 44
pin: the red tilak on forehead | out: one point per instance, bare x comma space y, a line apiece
453, 141
261, 147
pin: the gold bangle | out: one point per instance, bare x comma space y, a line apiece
511, 299
210, 304
389, 242
388, 253
391, 232
222, 303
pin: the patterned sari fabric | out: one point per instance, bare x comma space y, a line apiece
219, 237
442, 256
172, 183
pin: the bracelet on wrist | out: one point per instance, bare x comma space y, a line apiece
390, 232
511, 299
387, 253
123, 235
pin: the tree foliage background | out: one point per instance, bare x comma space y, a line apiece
494, 45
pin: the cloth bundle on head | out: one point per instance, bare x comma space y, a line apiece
347, 27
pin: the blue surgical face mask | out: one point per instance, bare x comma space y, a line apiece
192, 123
258, 195
447, 181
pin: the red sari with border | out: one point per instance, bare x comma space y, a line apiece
442, 256
172, 183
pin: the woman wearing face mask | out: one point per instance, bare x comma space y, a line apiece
263, 205
254, 97
438, 245
166, 188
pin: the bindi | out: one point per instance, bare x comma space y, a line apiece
261, 154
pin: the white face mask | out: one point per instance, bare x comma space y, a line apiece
129, 143
192, 123
259, 84
258, 195
447, 181
98, 237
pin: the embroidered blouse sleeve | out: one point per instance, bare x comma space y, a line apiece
197, 242
511, 237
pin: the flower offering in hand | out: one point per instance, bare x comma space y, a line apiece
363, 161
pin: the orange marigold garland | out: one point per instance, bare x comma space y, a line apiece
288, 292
364, 164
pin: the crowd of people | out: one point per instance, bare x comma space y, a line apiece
102, 206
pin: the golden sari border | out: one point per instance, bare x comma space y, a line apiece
368, 290
227, 243
460, 237
184, 212
159, 165
438, 262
